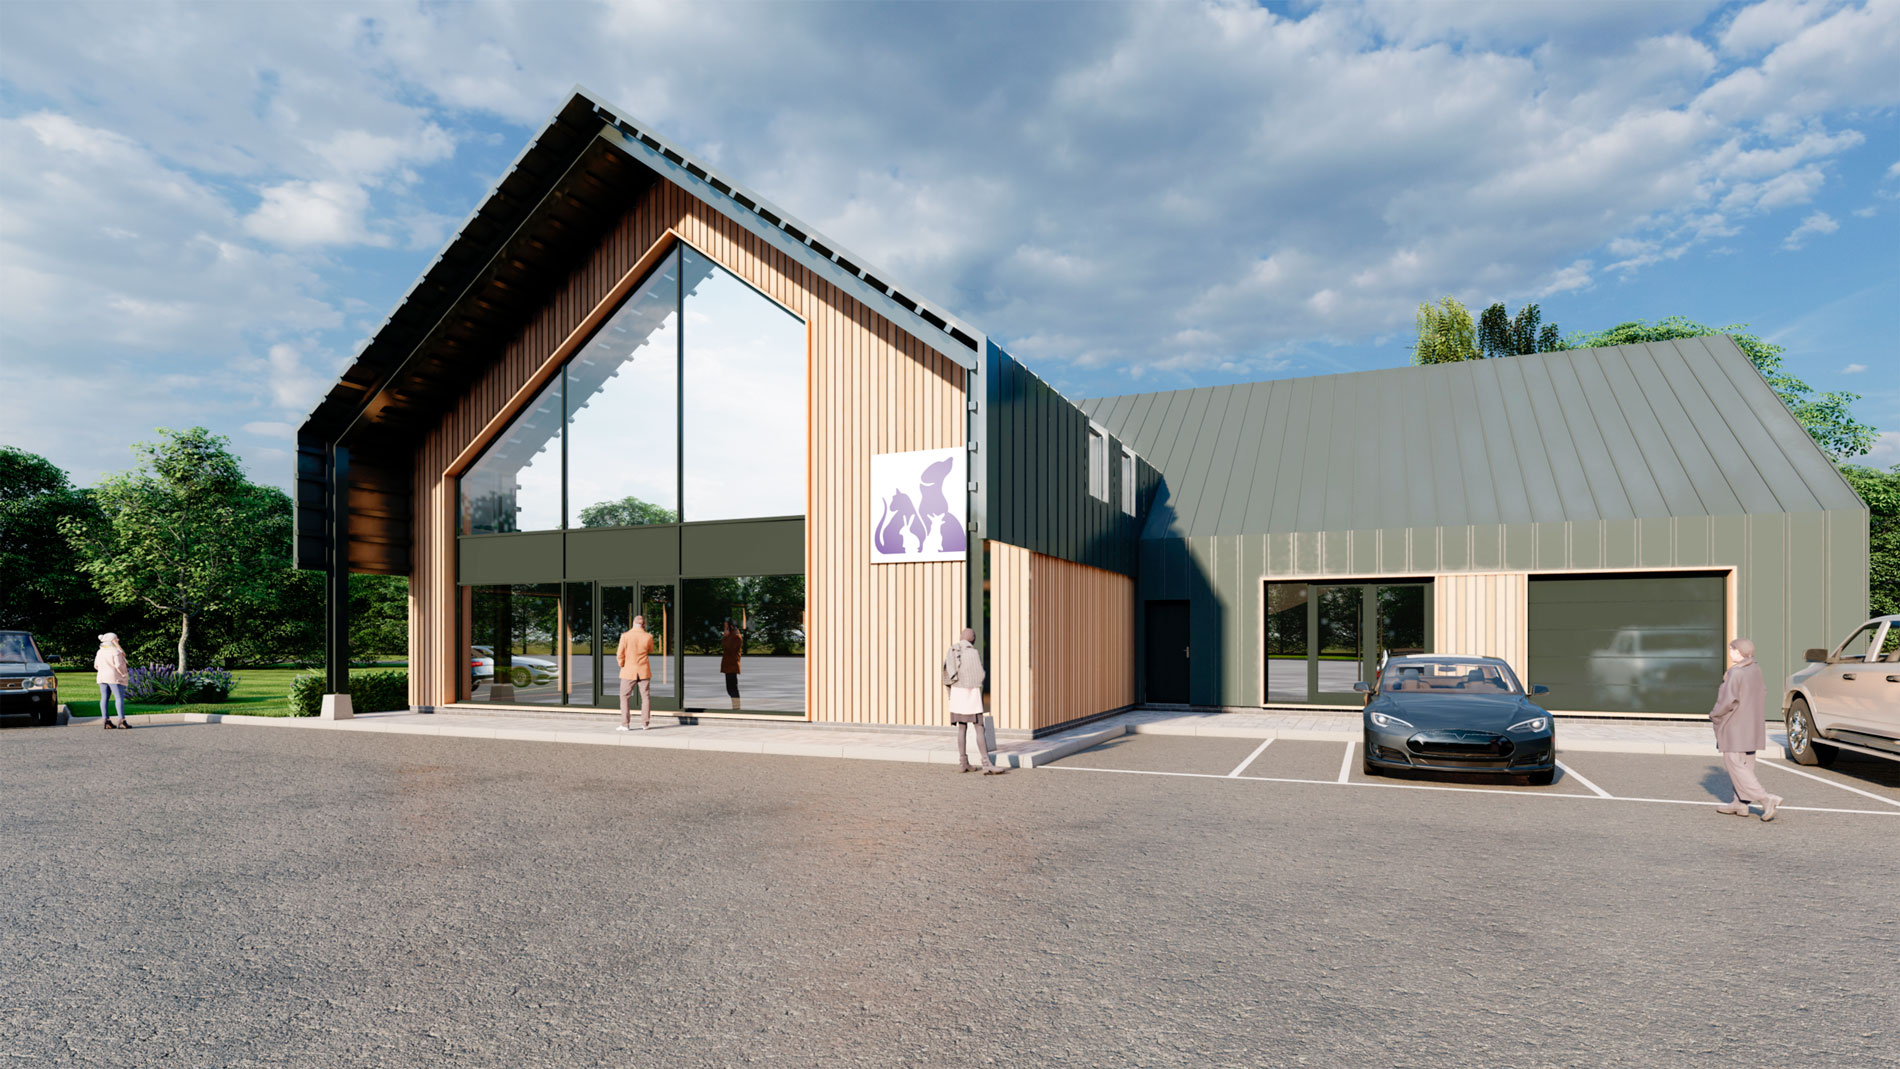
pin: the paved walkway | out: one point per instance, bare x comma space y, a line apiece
938, 746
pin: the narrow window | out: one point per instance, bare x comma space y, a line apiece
1098, 465
1128, 482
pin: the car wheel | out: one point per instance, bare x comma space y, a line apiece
1804, 748
520, 676
1542, 779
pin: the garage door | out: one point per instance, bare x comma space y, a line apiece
1628, 644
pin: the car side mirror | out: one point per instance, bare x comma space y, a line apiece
1539, 688
1362, 687
1815, 656
52, 659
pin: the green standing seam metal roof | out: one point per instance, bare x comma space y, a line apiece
1676, 428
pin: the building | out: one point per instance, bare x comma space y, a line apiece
1603, 519
629, 385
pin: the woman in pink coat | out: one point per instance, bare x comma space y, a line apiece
114, 674
1740, 730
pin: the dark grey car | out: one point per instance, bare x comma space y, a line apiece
1447, 713
27, 684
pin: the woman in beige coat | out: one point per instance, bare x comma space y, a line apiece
1740, 730
114, 674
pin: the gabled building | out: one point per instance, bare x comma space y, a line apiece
630, 386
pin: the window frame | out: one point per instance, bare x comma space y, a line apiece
1098, 463
1128, 482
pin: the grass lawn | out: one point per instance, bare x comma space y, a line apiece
259, 692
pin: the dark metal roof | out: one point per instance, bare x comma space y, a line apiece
537, 223
1677, 428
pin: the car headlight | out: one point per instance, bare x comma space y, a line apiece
1387, 721
1535, 723
43, 683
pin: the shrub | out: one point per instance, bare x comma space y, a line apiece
160, 684
370, 692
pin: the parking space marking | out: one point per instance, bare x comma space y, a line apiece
1578, 776
1242, 767
1345, 763
1785, 767
1459, 790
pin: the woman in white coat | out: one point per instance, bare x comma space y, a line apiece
1741, 729
114, 674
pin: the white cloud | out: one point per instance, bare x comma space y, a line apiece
1885, 453
1853, 369
1762, 26
269, 429
313, 213
1818, 223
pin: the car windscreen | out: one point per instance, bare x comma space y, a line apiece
17, 648
1447, 677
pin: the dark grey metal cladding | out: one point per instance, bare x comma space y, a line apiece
1675, 428
1036, 466
737, 547
743, 547
484, 560
604, 552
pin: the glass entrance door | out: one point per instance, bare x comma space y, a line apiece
657, 601
1320, 639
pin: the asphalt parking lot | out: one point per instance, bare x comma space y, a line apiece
205, 895
1856, 785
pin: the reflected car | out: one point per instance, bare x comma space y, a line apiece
523, 670
27, 683
1445, 713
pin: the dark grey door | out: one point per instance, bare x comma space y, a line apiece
1168, 653
1628, 644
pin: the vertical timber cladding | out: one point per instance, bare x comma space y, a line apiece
875, 636
1482, 614
1062, 639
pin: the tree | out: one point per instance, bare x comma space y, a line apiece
41, 587
626, 512
1881, 491
187, 536
1824, 415
1445, 334
1501, 334
379, 615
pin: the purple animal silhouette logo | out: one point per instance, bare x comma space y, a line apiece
921, 524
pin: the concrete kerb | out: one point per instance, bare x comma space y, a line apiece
933, 748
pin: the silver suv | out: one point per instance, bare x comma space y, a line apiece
1848, 699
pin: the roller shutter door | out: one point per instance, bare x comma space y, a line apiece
1630, 644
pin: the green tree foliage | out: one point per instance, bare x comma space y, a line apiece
189, 538
1502, 334
626, 512
41, 587
1825, 415
379, 616
1445, 334
1881, 491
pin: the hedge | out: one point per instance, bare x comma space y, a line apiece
370, 692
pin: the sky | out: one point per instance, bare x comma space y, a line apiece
206, 209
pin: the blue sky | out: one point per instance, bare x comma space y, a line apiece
206, 209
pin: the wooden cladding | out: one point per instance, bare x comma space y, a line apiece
1062, 639
875, 636
1482, 614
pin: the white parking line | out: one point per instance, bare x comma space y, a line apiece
1785, 768
1711, 802
1578, 776
1242, 767
1345, 763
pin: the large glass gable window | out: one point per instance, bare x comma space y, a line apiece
516, 485
744, 399
694, 357
623, 414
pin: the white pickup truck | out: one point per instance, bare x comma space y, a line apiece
1848, 699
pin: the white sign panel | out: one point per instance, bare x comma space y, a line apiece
919, 506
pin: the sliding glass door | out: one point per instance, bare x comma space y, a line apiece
1321, 638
